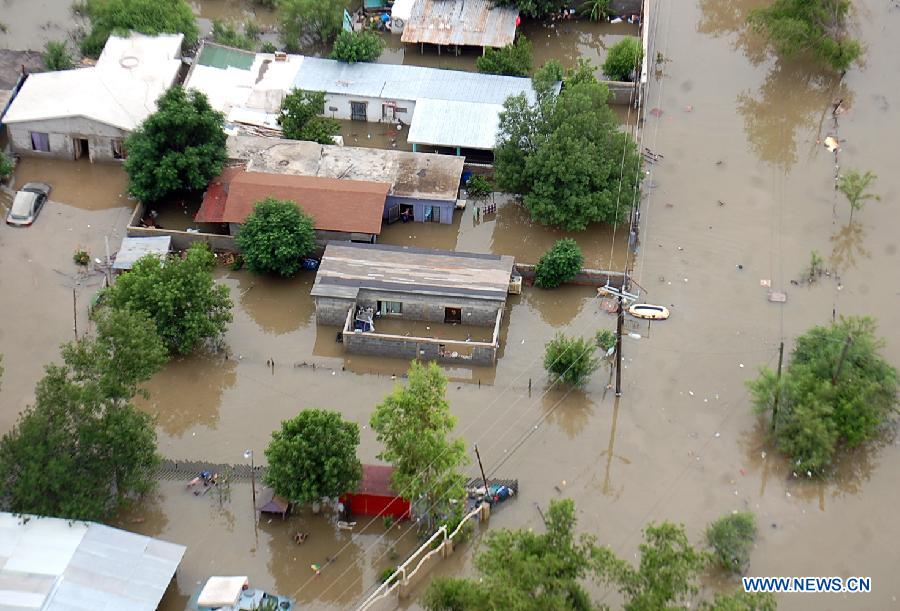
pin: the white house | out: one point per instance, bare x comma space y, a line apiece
89, 111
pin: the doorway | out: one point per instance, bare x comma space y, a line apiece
452, 315
407, 213
358, 111
82, 147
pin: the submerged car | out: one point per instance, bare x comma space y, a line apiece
28, 203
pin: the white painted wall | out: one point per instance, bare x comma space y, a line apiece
374, 107
61, 133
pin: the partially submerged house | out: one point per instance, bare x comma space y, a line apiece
374, 496
54, 564
88, 112
341, 209
369, 283
423, 186
448, 111
461, 23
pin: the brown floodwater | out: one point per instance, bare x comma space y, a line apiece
743, 181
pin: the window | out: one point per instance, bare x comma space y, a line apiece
40, 142
432, 214
118, 149
390, 307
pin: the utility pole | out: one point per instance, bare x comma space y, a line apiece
75, 312
840, 363
480, 466
777, 384
620, 320
249, 454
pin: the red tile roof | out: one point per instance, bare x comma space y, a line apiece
376, 480
335, 205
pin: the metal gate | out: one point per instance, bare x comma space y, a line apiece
358, 111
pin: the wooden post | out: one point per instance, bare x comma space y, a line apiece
777, 384
620, 320
75, 312
480, 466
840, 363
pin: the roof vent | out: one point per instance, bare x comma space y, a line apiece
280, 56
129, 61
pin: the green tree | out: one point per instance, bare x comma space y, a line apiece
855, 187
624, 59
352, 47
666, 573
605, 339
559, 264
413, 423
56, 56
566, 155
179, 295
6, 166
512, 60
741, 601
82, 449
817, 27
836, 391
228, 35
275, 237
521, 569
478, 186
145, 16
300, 120
537, 9
570, 359
321, 18
595, 10
180, 147
547, 76
313, 456
731, 538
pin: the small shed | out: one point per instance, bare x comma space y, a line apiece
374, 495
133, 249
273, 503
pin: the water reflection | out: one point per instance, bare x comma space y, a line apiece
789, 109
558, 307
847, 245
188, 392
277, 305
82, 184
571, 408
726, 17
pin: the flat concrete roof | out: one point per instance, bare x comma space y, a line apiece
133, 249
347, 267
413, 175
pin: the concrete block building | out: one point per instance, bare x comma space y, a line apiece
88, 112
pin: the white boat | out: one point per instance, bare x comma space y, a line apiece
649, 311
235, 594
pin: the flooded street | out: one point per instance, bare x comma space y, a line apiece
743, 193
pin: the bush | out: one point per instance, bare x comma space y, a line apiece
479, 186
821, 406
624, 58
558, 264
322, 18
352, 47
605, 339
145, 16
731, 538
570, 359
57, 57
226, 34
275, 237
81, 257
300, 120
6, 167
268, 47
512, 60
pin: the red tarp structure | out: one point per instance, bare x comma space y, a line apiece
374, 496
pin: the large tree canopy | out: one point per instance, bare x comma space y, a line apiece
180, 147
144, 16
300, 117
414, 423
179, 295
313, 456
81, 450
836, 391
275, 237
320, 18
566, 155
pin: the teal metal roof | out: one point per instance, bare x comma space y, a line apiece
223, 57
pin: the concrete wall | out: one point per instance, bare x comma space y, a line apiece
61, 134
341, 104
332, 311
622, 92
586, 277
446, 208
431, 308
426, 349
323, 237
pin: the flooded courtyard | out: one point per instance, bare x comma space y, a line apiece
743, 193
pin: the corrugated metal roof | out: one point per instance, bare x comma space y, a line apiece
218, 56
447, 123
394, 82
133, 249
475, 23
56, 565
348, 267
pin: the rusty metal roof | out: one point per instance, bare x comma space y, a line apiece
476, 23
